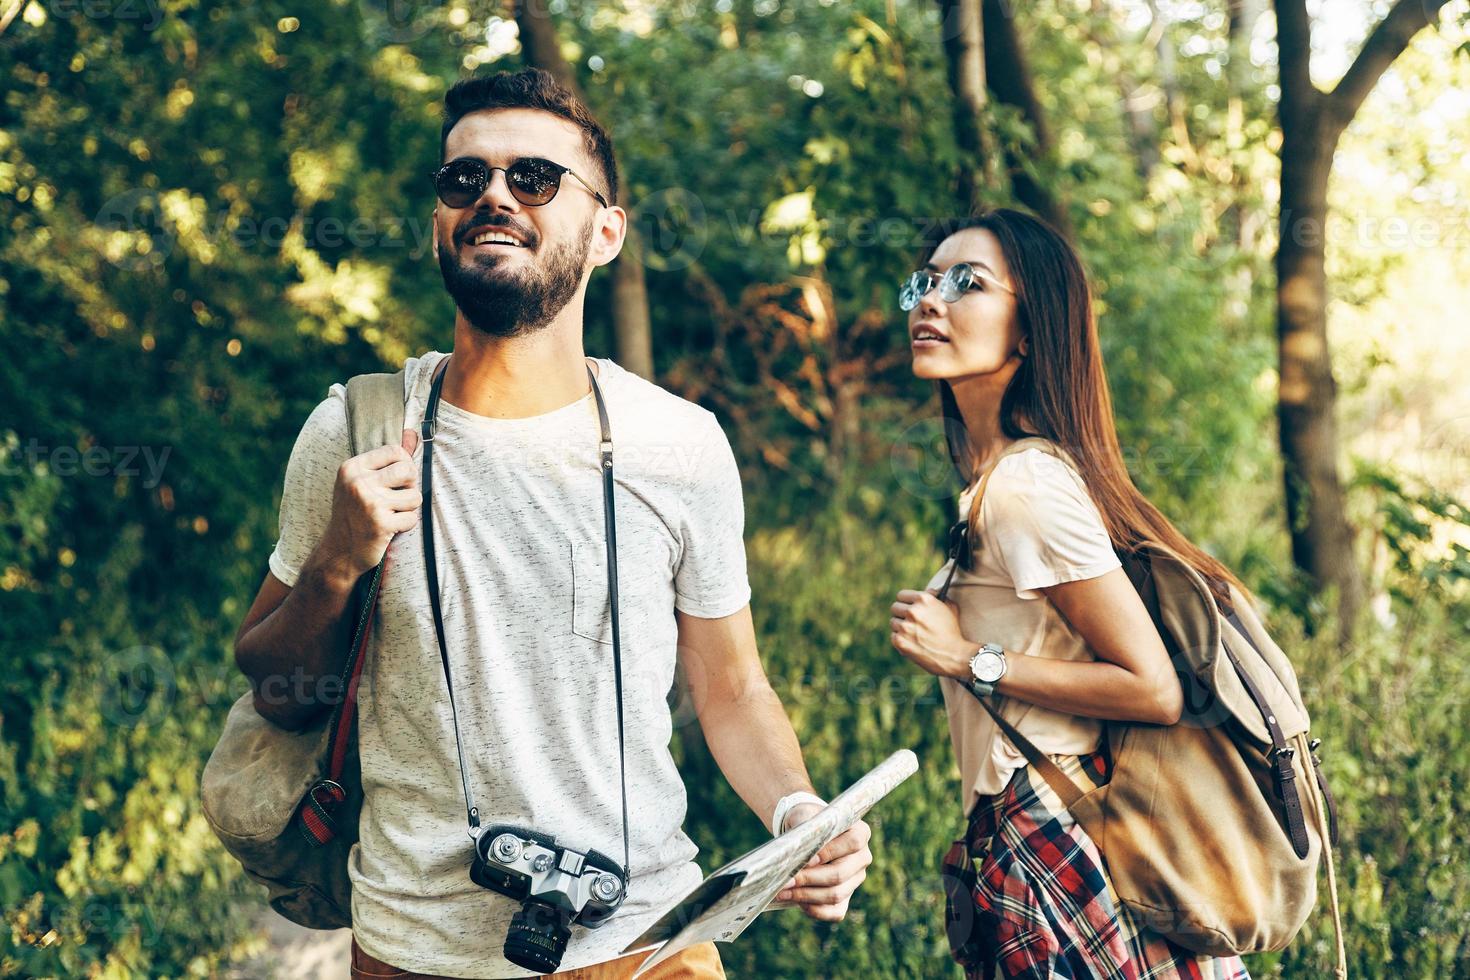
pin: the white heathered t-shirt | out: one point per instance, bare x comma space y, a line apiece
518, 522
1038, 527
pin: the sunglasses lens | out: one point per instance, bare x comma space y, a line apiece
533, 181
460, 183
956, 282
959, 543
914, 288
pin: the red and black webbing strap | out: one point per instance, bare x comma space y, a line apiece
315, 816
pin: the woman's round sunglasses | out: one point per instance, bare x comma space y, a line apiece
957, 280
532, 181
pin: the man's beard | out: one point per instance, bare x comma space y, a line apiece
503, 304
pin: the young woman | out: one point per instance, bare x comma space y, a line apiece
1041, 617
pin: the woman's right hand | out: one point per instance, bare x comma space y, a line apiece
926, 630
375, 497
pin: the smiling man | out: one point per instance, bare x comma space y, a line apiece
524, 626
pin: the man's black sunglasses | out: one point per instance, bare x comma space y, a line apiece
532, 181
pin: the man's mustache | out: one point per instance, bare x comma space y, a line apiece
495, 221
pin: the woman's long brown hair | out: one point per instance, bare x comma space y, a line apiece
1061, 388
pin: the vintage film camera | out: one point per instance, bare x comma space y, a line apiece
556, 886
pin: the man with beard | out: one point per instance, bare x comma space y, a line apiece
527, 209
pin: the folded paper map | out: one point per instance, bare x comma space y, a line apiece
728, 901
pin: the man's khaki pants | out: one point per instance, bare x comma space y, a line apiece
700, 962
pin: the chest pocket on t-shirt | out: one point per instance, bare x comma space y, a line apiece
591, 611
644, 587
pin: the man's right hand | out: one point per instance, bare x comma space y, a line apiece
376, 496
295, 637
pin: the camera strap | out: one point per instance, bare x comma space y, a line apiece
605, 449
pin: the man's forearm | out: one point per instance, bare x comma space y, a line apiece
294, 655
752, 740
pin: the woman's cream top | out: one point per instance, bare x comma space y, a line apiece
1038, 527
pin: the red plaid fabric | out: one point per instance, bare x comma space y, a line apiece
1029, 897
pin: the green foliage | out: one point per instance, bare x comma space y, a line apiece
1416, 525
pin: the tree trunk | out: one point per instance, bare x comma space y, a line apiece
964, 53
632, 326
1311, 123
540, 44
1009, 78
1321, 537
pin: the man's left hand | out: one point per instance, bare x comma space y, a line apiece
825, 886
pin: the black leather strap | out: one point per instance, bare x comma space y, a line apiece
365, 601
431, 572
959, 553
1280, 754
610, 524
605, 449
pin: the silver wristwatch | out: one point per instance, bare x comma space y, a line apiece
987, 667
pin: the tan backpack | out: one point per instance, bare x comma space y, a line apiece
285, 804
1212, 829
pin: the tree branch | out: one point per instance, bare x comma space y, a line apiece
1008, 74
961, 31
1386, 43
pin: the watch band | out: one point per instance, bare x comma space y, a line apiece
789, 803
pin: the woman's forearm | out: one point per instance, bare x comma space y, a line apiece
1094, 689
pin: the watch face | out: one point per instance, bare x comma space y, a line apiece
988, 667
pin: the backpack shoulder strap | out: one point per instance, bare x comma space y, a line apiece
1020, 445
375, 411
375, 414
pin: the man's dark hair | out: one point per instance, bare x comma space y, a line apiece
532, 88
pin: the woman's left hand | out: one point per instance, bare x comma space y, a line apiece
926, 630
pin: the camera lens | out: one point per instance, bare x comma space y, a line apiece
538, 936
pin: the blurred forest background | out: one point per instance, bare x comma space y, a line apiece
210, 212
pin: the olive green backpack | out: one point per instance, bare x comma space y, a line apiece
285, 804
1212, 829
